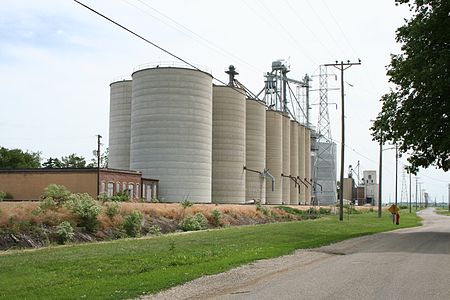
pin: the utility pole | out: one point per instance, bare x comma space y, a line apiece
98, 163
396, 173
417, 178
420, 196
448, 199
410, 191
379, 175
342, 67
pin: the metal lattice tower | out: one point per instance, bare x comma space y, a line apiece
325, 160
404, 193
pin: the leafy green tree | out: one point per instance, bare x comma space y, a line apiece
416, 113
73, 161
52, 163
18, 159
103, 159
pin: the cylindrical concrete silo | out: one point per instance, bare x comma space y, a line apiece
171, 131
308, 164
228, 145
120, 125
286, 159
274, 152
255, 136
294, 162
301, 163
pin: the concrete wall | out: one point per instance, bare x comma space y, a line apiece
301, 163
294, 188
274, 152
171, 131
255, 184
120, 125
228, 145
286, 158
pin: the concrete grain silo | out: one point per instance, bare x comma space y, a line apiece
294, 163
274, 152
255, 136
171, 131
308, 164
286, 159
120, 125
228, 145
301, 163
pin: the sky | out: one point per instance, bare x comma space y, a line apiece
57, 60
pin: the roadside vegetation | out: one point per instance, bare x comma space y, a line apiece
443, 211
127, 268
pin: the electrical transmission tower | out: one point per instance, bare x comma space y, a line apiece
404, 193
325, 160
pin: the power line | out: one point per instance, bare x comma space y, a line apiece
153, 44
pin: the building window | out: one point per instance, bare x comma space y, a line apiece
138, 191
117, 187
110, 189
102, 187
131, 190
124, 187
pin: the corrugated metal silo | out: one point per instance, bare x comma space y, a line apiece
120, 124
228, 145
255, 136
294, 162
301, 163
308, 164
286, 159
274, 152
171, 131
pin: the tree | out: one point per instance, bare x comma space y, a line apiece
104, 159
52, 163
17, 159
416, 113
70, 161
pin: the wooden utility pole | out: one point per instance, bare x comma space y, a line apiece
342, 67
380, 175
98, 163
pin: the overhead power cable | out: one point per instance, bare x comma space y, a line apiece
153, 44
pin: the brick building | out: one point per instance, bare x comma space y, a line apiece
29, 184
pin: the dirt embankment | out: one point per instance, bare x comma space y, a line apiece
27, 225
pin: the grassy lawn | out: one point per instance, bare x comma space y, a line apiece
128, 268
443, 211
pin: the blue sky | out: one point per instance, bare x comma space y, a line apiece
57, 60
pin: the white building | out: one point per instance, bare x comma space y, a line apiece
370, 186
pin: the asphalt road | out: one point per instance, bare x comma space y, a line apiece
403, 264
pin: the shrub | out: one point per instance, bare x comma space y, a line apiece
132, 223
186, 203
5, 196
121, 197
154, 200
86, 209
112, 210
65, 232
324, 211
217, 217
262, 209
59, 193
48, 203
193, 223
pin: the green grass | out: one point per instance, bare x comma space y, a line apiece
443, 211
128, 268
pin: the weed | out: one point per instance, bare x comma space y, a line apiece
154, 230
86, 209
193, 223
217, 217
263, 209
132, 223
64, 232
112, 210
58, 193
5, 196
186, 203
48, 204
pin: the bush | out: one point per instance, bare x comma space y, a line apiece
324, 211
86, 209
48, 203
112, 210
262, 209
186, 203
193, 223
132, 223
217, 217
58, 193
121, 197
64, 232
5, 196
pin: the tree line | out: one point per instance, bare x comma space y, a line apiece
19, 159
